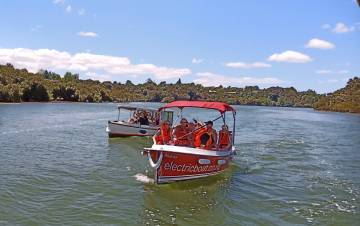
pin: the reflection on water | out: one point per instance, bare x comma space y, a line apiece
294, 166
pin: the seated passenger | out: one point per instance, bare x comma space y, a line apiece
182, 134
224, 138
134, 118
157, 119
143, 120
200, 129
206, 137
164, 134
191, 126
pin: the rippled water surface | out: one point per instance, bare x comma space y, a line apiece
294, 166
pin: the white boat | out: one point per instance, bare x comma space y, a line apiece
137, 125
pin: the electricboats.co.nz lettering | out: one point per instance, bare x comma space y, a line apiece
190, 168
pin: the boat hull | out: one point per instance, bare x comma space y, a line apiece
174, 163
123, 129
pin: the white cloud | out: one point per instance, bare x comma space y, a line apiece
323, 72
210, 79
87, 34
342, 28
290, 57
81, 12
59, 1
36, 59
37, 27
328, 81
197, 61
319, 44
326, 26
68, 9
331, 72
343, 72
333, 80
247, 65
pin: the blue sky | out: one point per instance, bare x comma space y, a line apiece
305, 44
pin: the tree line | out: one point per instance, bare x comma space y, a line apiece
18, 85
346, 99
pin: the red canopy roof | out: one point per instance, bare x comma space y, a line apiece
220, 106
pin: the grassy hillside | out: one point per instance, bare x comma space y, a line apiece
17, 85
346, 99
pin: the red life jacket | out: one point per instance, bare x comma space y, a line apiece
209, 143
197, 135
181, 136
164, 136
224, 139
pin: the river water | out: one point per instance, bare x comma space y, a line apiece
293, 167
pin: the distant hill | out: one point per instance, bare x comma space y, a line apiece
346, 99
19, 85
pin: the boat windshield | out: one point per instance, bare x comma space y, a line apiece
145, 116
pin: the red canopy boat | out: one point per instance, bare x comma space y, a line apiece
176, 162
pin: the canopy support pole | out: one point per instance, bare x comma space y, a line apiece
233, 132
223, 118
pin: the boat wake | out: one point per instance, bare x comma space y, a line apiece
144, 179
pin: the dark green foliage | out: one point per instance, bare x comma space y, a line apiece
156, 98
49, 75
150, 82
65, 94
344, 100
274, 97
2, 80
129, 83
20, 85
193, 95
10, 93
36, 92
68, 77
105, 97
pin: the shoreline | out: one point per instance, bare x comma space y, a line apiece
77, 102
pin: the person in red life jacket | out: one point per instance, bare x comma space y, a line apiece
200, 129
224, 138
164, 134
182, 134
191, 126
206, 137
